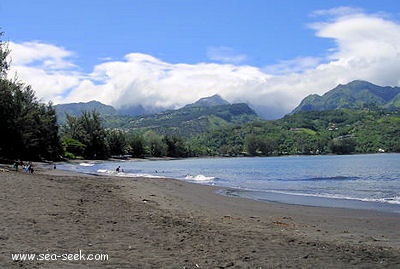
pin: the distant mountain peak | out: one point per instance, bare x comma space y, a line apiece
356, 94
75, 109
215, 100
193, 119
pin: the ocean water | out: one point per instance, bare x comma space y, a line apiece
349, 181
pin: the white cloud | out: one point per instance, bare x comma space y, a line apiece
40, 55
145, 80
366, 47
45, 67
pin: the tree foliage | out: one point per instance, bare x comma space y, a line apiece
136, 145
29, 129
73, 149
340, 131
117, 142
88, 130
4, 63
155, 145
175, 146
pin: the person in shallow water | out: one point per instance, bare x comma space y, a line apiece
118, 168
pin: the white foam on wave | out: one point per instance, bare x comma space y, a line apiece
391, 200
394, 200
199, 178
123, 174
86, 164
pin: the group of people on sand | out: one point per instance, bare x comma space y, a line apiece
28, 167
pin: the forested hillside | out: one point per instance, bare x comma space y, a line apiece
76, 109
340, 131
192, 120
354, 95
206, 114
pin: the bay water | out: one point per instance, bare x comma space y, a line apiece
351, 181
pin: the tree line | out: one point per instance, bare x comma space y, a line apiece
29, 128
85, 137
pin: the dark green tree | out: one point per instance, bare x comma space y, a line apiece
88, 130
175, 146
73, 149
343, 145
155, 144
252, 144
117, 142
29, 129
136, 145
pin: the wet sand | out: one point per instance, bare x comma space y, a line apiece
165, 223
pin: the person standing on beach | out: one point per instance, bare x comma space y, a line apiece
15, 165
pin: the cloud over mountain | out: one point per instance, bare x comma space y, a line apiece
366, 47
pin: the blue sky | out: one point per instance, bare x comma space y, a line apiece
168, 53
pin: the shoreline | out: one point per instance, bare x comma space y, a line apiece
306, 200
167, 223
312, 201
337, 201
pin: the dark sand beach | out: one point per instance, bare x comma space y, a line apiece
165, 223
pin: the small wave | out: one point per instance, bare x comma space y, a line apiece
122, 174
199, 178
392, 200
336, 178
389, 200
86, 164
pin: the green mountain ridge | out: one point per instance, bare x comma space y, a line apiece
354, 95
76, 109
214, 100
204, 115
358, 117
192, 120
